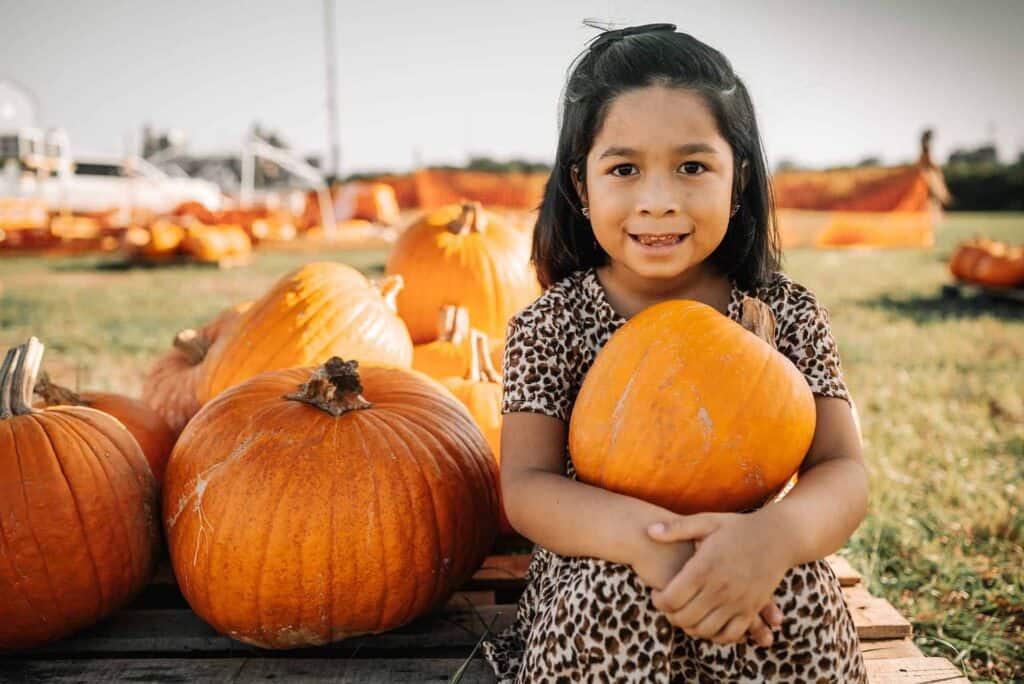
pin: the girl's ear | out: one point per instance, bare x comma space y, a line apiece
744, 175
581, 187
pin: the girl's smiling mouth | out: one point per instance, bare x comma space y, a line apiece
658, 240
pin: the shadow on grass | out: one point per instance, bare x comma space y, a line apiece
949, 303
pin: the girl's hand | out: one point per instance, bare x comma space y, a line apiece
660, 562
728, 584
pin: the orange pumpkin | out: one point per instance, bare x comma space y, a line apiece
480, 392
460, 255
170, 386
317, 311
78, 512
688, 410
215, 242
145, 424
449, 354
302, 509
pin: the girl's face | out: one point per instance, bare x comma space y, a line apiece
659, 182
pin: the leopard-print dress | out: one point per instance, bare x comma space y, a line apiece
586, 619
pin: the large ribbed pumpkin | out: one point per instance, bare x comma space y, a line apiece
315, 312
77, 513
688, 410
170, 385
448, 355
302, 509
459, 255
145, 424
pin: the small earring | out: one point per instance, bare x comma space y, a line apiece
735, 209
585, 211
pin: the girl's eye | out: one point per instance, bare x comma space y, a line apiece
693, 168
623, 170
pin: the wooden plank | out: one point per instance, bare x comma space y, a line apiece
368, 671
875, 617
848, 577
337, 670
180, 632
908, 670
884, 649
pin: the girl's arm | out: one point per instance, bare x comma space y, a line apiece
830, 500
572, 518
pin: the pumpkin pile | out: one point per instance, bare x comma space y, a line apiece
78, 510
665, 415
988, 262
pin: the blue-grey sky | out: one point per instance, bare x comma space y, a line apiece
833, 81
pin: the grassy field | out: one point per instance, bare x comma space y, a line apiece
939, 383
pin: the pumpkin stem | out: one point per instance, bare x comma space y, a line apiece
471, 220
18, 376
452, 323
756, 317
190, 343
389, 288
334, 387
56, 395
480, 367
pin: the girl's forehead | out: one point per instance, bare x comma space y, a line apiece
658, 117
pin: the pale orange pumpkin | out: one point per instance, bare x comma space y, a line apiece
302, 509
449, 354
479, 390
315, 312
460, 255
688, 410
78, 512
146, 426
170, 385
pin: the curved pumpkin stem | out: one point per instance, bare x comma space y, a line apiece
480, 367
53, 394
18, 376
471, 220
389, 288
194, 346
334, 387
756, 317
452, 323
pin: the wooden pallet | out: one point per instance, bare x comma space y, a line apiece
158, 638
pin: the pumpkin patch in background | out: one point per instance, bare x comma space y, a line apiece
319, 310
344, 499
688, 410
78, 505
461, 255
147, 426
450, 353
170, 385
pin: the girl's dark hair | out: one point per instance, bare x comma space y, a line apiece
625, 59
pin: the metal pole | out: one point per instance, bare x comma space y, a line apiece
332, 95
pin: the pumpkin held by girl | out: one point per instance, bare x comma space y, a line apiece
688, 410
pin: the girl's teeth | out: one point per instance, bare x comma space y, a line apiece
657, 239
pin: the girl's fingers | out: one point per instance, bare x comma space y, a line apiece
771, 614
712, 623
684, 527
691, 614
682, 588
734, 630
761, 633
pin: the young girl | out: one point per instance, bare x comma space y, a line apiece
660, 191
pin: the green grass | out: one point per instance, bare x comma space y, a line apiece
939, 383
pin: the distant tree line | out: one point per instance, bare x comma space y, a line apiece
979, 182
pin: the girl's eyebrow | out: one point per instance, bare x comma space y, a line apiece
689, 148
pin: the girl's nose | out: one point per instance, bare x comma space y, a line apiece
657, 199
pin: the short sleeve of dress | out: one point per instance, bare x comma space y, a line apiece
805, 337
539, 364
